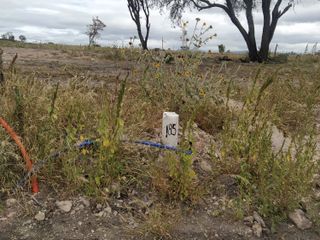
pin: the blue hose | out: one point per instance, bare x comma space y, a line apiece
162, 146
88, 143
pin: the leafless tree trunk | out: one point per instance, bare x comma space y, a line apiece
135, 7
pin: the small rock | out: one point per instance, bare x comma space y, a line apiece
28, 222
85, 201
11, 202
80, 207
99, 206
205, 166
64, 206
40, 216
259, 219
3, 219
100, 214
257, 229
300, 220
248, 220
108, 210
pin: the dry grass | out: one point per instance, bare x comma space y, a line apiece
53, 117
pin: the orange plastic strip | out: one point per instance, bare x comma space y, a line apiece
16, 138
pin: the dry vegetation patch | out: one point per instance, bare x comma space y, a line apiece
114, 108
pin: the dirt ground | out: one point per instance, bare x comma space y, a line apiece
133, 217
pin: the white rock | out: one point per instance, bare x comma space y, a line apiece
40, 216
257, 229
300, 220
80, 207
99, 206
28, 222
108, 210
205, 166
64, 206
85, 201
100, 214
11, 202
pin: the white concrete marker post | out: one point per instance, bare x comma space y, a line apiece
170, 129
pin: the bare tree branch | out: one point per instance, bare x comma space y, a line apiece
135, 7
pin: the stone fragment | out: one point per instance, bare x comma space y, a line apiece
300, 220
257, 230
11, 202
205, 166
40, 216
64, 206
84, 201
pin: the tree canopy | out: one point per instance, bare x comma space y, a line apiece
272, 11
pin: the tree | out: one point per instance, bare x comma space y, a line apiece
22, 38
94, 29
136, 7
222, 48
8, 36
271, 9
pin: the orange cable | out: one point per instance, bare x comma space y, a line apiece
16, 138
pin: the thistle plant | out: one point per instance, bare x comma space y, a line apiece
200, 34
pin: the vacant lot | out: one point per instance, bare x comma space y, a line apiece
253, 129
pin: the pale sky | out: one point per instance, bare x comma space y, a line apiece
64, 21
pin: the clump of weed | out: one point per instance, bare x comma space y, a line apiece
12, 165
270, 182
109, 167
173, 175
